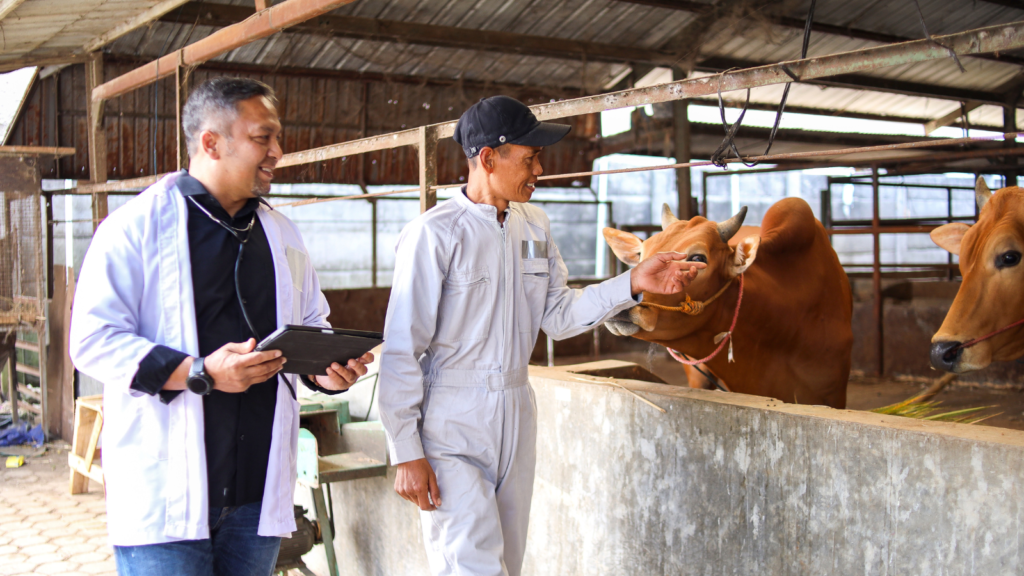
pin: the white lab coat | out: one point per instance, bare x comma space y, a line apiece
134, 292
468, 299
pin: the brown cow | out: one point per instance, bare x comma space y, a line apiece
991, 296
793, 336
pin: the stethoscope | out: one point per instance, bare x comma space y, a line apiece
237, 233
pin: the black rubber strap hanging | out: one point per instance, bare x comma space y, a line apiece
719, 156
711, 377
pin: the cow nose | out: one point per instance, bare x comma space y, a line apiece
945, 355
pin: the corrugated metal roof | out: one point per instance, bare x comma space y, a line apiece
53, 28
741, 36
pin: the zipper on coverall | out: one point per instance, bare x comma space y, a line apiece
504, 290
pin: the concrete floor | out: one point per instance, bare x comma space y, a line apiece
43, 528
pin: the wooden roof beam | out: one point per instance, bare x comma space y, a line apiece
259, 25
8, 6
18, 63
130, 24
964, 109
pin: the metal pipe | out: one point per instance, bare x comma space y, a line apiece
876, 270
883, 230
982, 40
259, 25
949, 214
373, 242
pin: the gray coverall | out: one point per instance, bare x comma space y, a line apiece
468, 299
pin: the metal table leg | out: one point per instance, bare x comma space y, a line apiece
323, 518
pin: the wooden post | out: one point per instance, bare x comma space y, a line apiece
876, 271
1010, 125
11, 375
96, 135
681, 131
60, 372
181, 89
427, 147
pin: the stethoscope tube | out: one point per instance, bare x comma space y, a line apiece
238, 261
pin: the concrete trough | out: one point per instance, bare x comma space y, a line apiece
730, 484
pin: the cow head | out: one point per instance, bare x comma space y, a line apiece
703, 241
992, 293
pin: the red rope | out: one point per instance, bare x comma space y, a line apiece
970, 343
721, 345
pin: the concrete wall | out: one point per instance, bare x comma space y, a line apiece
732, 484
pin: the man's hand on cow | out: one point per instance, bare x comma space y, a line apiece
664, 273
340, 377
234, 366
415, 481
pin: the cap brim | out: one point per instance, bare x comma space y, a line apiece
545, 134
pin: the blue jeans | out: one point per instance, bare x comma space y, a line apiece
233, 549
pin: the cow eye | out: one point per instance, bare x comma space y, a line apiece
698, 258
1008, 259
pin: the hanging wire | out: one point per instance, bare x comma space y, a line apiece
718, 157
924, 27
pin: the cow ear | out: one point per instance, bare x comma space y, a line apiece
744, 254
949, 236
625, 245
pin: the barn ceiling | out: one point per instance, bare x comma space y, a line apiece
565, 48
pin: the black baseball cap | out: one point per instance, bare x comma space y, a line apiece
503, 120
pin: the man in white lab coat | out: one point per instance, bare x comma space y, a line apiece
200, 431
475, 279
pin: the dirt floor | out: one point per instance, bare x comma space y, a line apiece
866, 393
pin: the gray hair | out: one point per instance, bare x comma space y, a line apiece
214, 106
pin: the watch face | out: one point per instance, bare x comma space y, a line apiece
200, 384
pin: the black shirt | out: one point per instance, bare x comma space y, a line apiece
238, 427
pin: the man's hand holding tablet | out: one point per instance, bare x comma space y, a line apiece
332, 358
340, 377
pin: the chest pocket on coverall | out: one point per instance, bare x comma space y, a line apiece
466, 306
534, 272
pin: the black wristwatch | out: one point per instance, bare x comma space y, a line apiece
198, 380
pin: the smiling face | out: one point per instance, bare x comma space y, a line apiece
990, 296
254, 147
514, 173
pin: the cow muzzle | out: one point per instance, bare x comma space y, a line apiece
946, 355
621, 325
644, 317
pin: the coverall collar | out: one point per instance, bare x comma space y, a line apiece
482, 211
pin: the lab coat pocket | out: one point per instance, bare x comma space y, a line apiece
534, 273
297, 261
466, 306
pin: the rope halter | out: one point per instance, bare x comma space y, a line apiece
722, 338
689, 306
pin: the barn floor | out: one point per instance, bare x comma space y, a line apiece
863, 392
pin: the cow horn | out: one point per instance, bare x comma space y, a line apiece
667, 217
981, 192
730, 227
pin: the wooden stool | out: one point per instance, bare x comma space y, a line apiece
84, 457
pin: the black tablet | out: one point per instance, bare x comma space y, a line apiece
311, 349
